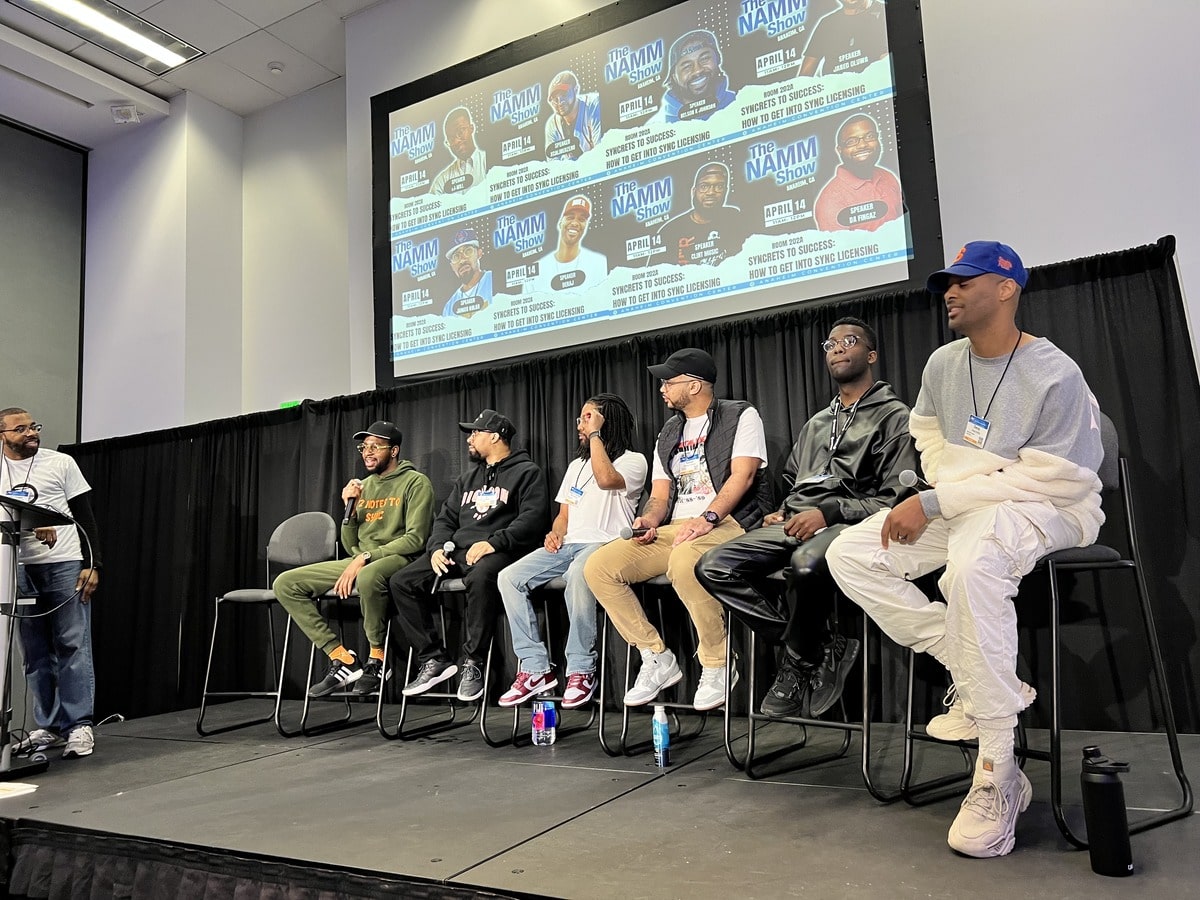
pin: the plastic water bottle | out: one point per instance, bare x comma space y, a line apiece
662, 738
544, 722
1104, 812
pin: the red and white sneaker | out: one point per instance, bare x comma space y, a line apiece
581, 686
526, 686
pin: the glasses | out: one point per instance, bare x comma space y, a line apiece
666, 382
371, 448
21, 429
870, 137
848, 341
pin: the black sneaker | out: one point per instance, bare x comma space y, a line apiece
338, 676
470, 685
789, 695
433, 672
372, 677
829, 678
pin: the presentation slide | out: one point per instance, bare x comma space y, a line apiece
710, 159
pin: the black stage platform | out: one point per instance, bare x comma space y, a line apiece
449, 816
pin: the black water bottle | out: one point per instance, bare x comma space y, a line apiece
1104, 812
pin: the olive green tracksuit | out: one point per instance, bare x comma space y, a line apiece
392, 522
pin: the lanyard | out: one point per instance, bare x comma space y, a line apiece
700, 438
591, 476
835, 407
8, 468
971, 375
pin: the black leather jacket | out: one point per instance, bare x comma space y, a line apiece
862, 475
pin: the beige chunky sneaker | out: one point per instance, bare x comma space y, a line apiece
986, 823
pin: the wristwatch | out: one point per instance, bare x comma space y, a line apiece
593, 434
710, 517
366, 555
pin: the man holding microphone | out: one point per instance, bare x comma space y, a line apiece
388, 517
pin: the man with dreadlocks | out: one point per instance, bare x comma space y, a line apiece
596, 500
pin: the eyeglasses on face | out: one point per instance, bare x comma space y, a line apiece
21, 429
854, 140
668, 382
848, 341
371, 448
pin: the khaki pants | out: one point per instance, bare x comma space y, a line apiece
614, 567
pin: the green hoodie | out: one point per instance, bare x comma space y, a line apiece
393, 516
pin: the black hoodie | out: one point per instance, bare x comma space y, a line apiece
513, 519
862, 476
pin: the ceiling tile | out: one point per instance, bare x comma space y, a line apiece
38, 29
224, 85
202, 23
266, 12
251, 54
114, 65
347, 8
318, 33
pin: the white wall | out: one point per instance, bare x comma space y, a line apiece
134, 282
1067, 129
213, 319
296, 330
162, 290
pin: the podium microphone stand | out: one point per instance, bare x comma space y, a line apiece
16, 516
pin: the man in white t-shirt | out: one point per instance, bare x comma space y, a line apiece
571, 266
709, 485
597, 498
56, 631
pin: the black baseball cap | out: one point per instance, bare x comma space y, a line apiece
689, 361
490, 420
386, 430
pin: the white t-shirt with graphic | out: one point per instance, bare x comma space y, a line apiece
597, 515
57, 480
694, 488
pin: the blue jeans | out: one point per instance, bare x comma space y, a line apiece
532, 571
57, 647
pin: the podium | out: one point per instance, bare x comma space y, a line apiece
16, 516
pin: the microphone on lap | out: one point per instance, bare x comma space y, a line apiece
909, 478
627, 532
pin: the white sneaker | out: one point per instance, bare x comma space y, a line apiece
955, 725
79, 742
659, 671
38, 741
986, 823
711, 692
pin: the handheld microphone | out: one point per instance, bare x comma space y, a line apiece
628, 532
909, 478
447, 548
351, 504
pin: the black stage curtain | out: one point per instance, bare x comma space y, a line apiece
185, 514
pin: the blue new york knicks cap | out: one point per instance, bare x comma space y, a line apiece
978, 258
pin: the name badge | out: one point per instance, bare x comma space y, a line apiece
574, 495
486, 499
22, 492
977, 431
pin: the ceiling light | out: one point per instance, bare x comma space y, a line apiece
116, 30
